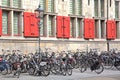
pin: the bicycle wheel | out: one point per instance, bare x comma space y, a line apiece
45, 70
108, 63
10, 70
69, 70
17, 73
83, 67
31, 71
57, 68
117, 65
77, 64
54, 68
63, 71
4, 72
99, 69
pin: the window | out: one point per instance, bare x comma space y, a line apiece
16, 23
42, 22
11, 19
50, 26
5, 23
96, 28
117, 30
5, 2
42, 3
50, 5
79, 7
72, 27
71, 7
79, 27
96, 8
102, 23
41, 27
17, 3
116, 9
102, 8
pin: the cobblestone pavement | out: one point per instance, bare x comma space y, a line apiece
99, 78
88, 75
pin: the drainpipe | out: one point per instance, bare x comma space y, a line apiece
108, 45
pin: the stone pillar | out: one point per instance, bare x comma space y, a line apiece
12, 21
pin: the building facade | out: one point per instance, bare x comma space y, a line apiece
67, 24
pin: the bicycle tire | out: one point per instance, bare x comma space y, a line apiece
100, 69
31, 71
108, 64
117, 65
83, 67
4, 72
54, 68
69, 70
45, 71
63, 71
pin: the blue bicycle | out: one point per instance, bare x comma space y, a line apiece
4, 67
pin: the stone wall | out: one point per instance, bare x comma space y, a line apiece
28, 46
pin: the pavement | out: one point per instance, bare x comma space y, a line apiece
99, 78
88, 75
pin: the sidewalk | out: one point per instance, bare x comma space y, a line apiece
88, 75
99, 78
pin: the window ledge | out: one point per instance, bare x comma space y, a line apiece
117, 19
74, 15
8, 39
101, 18
11, 8
50, 13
